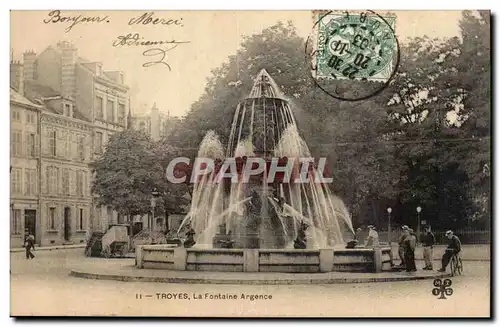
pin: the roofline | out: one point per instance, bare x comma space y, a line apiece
112, 84
76, 120
26, 105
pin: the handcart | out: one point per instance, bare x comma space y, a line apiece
115, 242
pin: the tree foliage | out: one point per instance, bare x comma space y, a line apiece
128, 172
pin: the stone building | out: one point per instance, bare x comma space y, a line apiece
66, 200
80, 106
24, 163
155, 123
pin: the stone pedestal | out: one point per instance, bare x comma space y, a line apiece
251, 260
180, 258
138, 256
326, 260
377, 259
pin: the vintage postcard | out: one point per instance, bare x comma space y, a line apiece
321, 163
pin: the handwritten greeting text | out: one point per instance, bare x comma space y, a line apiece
56, 17
159, 54
149, 18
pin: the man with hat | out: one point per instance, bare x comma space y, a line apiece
454, 247
428, 242
401, 249
29, 243
372, 237
410, 244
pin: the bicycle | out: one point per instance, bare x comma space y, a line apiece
456, 265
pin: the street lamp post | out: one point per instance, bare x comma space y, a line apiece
389, 210
419, 209
154, 194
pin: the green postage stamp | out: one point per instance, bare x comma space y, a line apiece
355, 45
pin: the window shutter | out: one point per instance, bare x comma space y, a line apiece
58, 181
68, 150
37, 145
85, 184
72, 183
45, 173
34, 180
45, 141
27, 178
26, 144
60, 143
74, 147
85, 147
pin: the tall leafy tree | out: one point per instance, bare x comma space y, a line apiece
132, 167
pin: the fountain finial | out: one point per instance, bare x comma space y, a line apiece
265, 87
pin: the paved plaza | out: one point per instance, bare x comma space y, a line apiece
43, 286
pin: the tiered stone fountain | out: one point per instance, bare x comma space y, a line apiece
261, 224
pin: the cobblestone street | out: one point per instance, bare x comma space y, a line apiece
43, 287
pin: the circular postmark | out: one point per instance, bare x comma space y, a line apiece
353, 55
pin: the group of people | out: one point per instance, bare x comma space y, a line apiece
408, 244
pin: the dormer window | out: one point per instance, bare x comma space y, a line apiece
68, 110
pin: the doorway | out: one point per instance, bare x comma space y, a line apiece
67, 223
30, 221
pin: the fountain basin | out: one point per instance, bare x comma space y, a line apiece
263, 260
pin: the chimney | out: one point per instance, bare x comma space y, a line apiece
68, 69
29, 58
16, 76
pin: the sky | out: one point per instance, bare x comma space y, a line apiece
213, 36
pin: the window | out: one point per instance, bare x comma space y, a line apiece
67, 139
16, 222
16, 115
16, 187
30, 118
57, 178
98, 142
80, 220
65, 181
30, 145
52, 143
67, 110
52, 218
81, 148
110, 111
30, 182
79, 183
121, 113
17, 143
52, 173
98, 107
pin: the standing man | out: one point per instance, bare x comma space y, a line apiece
401, 249
428, 242
29, 242
454, 247
410, 244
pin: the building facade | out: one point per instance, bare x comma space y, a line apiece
65, 199
156, 123
24, 168
78, 107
